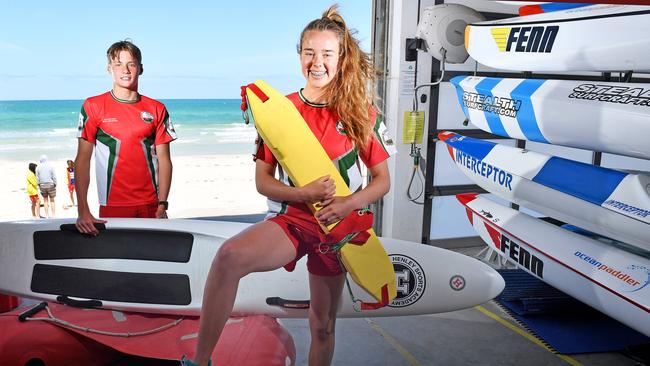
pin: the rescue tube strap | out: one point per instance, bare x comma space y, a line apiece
258, 92
244, 100
352, 229
360, 305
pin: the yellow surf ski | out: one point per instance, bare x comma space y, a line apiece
303, 158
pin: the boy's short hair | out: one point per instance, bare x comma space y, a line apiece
114, 50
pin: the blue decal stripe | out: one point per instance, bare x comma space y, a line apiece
551, 7
585, 181
459, 91
494, 121
473, 147
526, 114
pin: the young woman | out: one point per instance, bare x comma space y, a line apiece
337, 106
32, 191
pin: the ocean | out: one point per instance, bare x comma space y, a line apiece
204, 127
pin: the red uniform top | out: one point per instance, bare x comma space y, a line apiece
125, 134
328, 130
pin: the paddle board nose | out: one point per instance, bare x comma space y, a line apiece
495, 284
482, 282
456, 282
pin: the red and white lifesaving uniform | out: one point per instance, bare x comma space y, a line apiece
328, 130
125, 134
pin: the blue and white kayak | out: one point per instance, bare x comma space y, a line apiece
599, 116
590, 38
605, 277
606, 201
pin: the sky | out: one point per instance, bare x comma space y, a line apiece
191, 49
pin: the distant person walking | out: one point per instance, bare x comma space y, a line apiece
70, 175
130, 134
46, 178
32, 191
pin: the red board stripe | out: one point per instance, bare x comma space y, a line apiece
494, 234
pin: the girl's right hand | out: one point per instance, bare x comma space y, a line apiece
320, 191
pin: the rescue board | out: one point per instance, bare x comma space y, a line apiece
160, 266
303, 158
609, 202
602, 276
598, 116
590, 38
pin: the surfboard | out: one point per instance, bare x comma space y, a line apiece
590, 38
599, 116
609, 279
609, 202
160, 266
303, 158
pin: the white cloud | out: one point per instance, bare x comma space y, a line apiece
12, 47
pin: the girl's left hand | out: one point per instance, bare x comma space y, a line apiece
335, 211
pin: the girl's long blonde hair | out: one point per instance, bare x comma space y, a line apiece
348, 94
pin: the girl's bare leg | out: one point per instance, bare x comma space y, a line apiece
262, 247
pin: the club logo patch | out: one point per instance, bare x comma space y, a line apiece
146, 116
457, 283
339, 128
385, 136
410, 278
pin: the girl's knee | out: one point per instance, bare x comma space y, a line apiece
226, 255
322, 333
323, 327
230, 258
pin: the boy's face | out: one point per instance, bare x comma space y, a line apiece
125, 70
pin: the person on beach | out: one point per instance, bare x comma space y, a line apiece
337, 106
69, 172
131, 133
46, 178
32, 191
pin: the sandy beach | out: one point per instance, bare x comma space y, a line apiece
201, 186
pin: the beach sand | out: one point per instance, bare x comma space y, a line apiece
201, 186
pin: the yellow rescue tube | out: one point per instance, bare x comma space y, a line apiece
303, 158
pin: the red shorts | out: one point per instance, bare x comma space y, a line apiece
139, 211
71, 188
304, 236
34, 198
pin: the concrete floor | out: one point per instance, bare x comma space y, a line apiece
484, 335
466, 337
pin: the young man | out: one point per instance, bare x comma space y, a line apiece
46, 178
130, 134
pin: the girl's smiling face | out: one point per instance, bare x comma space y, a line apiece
319, 58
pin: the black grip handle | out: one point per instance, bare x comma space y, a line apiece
86, 304
290, 304
73, 228
30, 312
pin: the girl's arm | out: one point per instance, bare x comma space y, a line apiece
340, 207
320, 190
